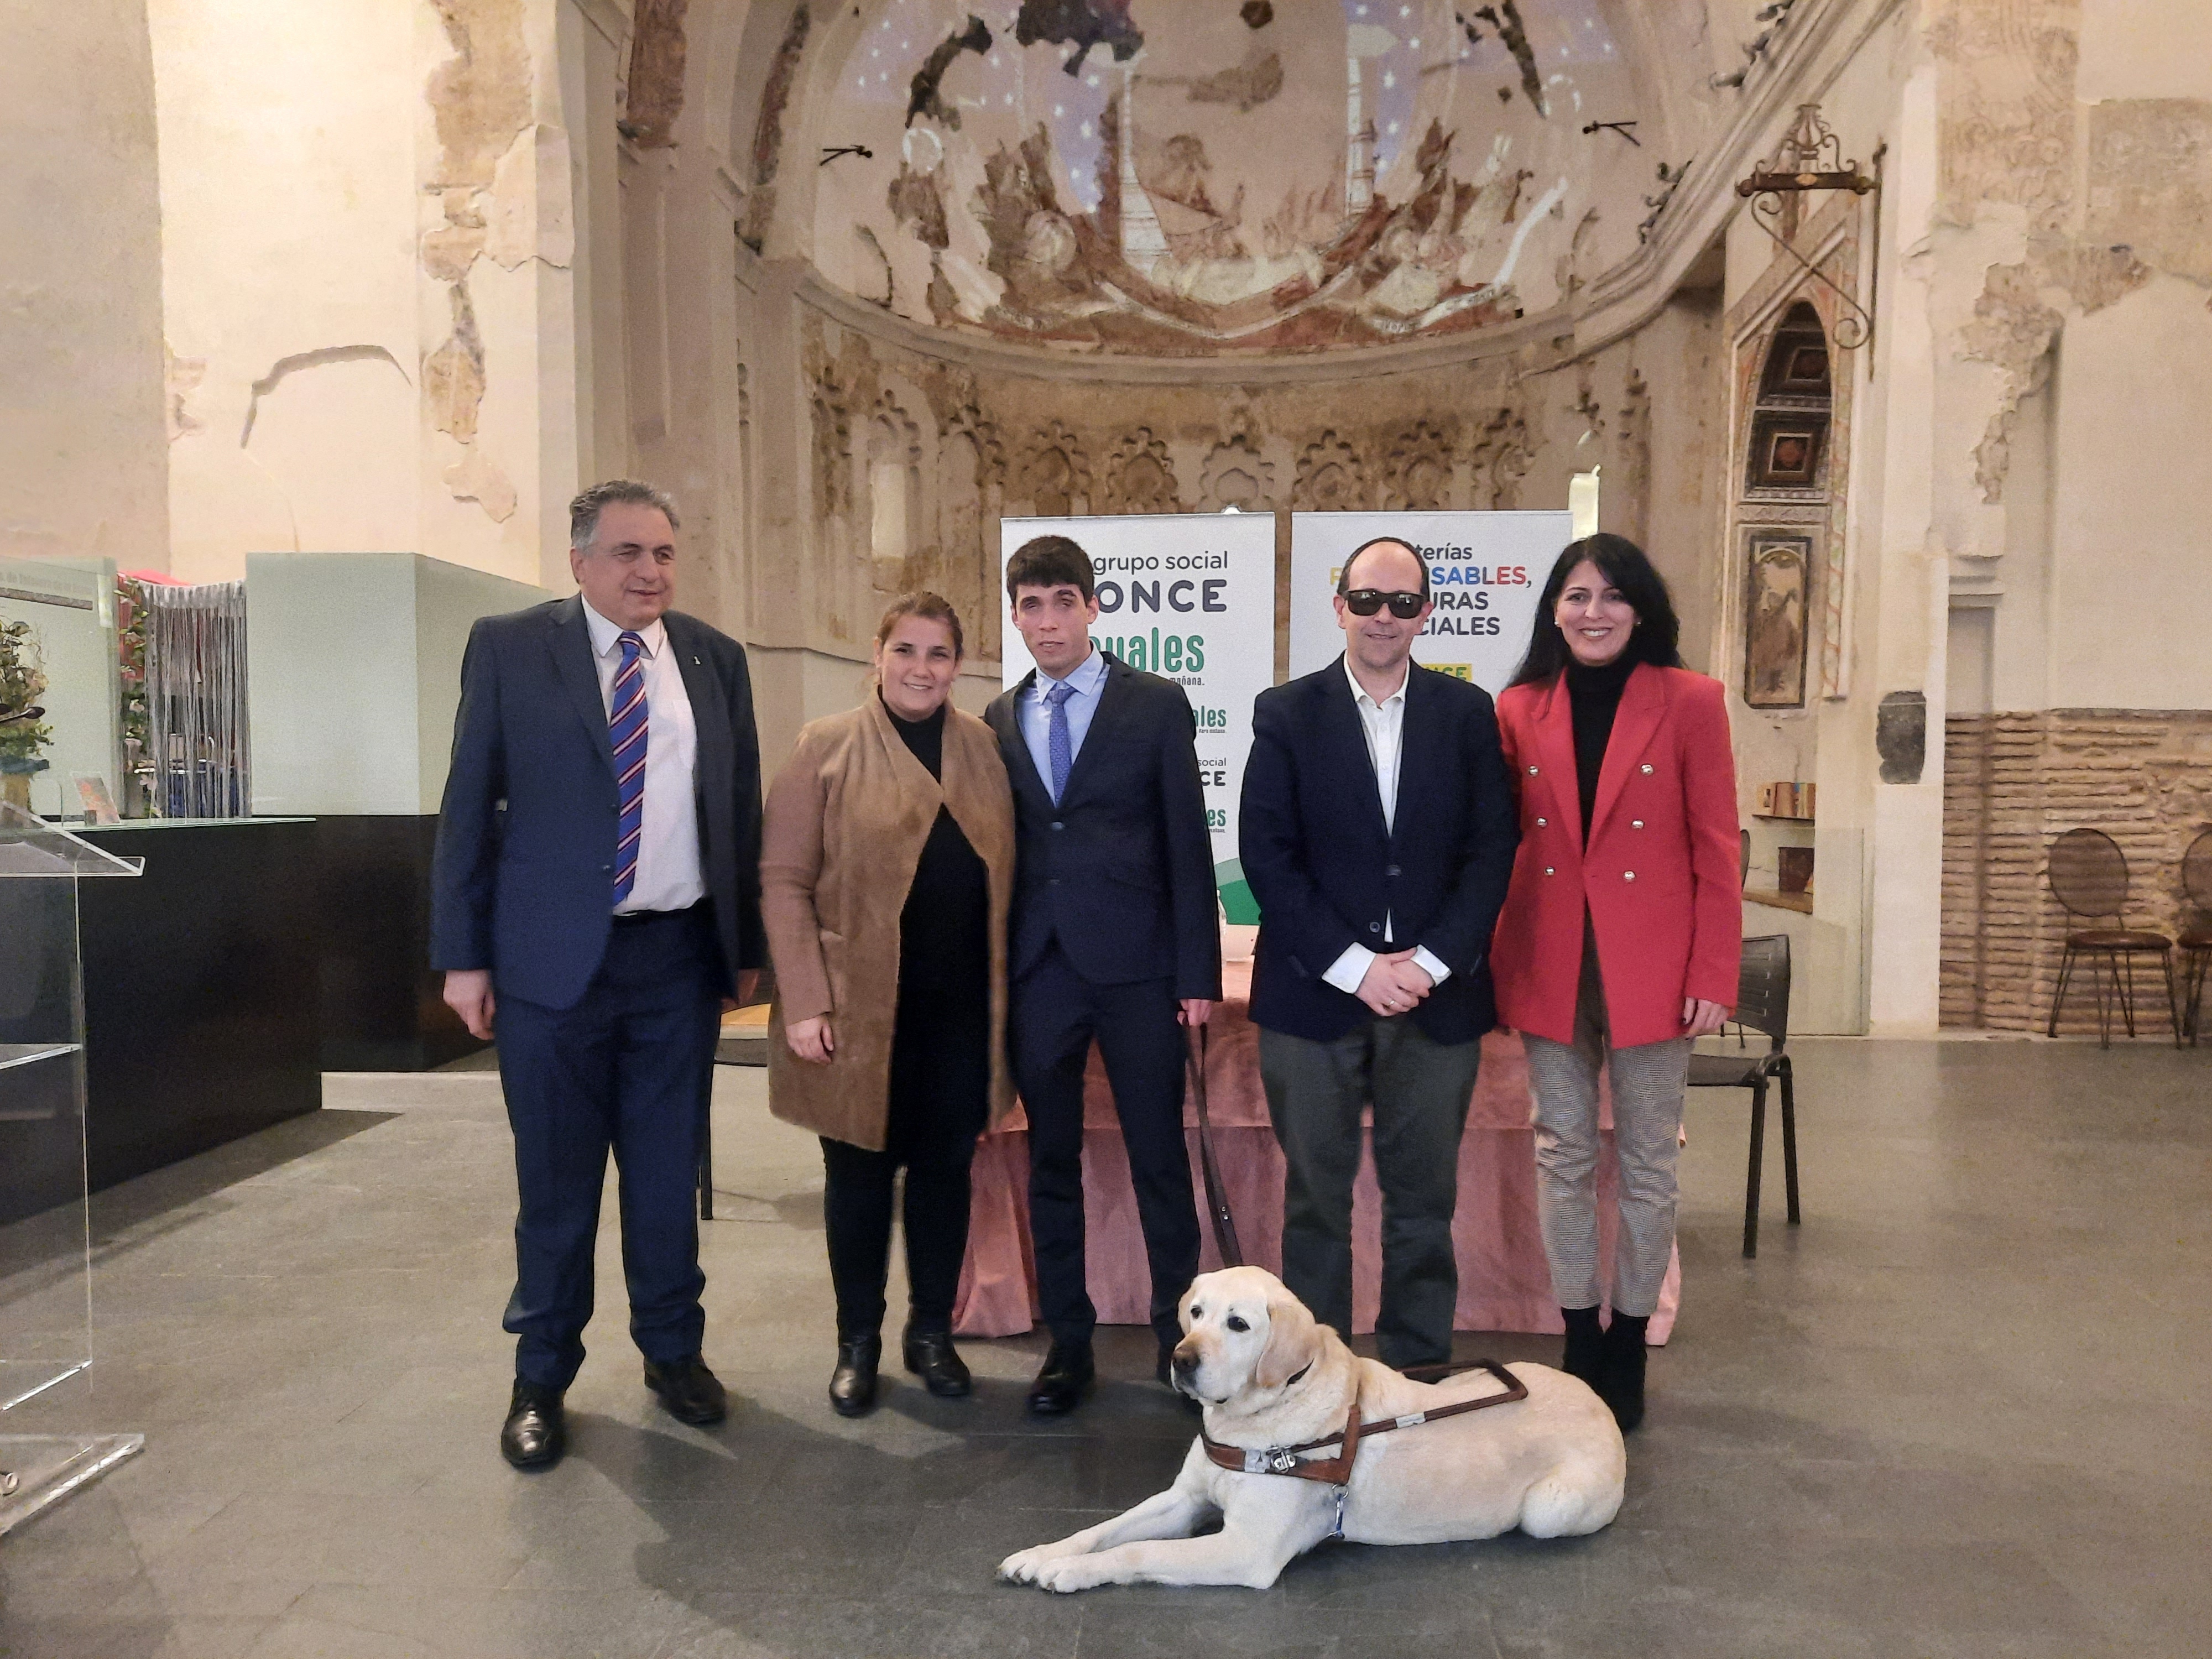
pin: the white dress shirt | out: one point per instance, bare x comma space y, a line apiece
670, 876
1385, 725
1086, 682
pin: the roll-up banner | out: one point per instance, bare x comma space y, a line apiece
1486, 570
1189, 596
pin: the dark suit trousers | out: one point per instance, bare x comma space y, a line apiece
1420, 1089
1055, 1014
628, 1068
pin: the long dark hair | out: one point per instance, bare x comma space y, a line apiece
1657, 631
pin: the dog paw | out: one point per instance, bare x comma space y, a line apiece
1069, 1573
1022, 1565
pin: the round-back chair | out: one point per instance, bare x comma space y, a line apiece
2196, 940
2088, 874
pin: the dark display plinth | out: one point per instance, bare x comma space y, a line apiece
382, 1009
201, 989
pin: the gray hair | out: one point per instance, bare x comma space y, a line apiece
584, 511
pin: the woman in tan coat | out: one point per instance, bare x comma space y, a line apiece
887, 864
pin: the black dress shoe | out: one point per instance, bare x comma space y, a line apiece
930, 1356
1069, 1371
1584, 1355
690, 1392
536, 1432
852, 1384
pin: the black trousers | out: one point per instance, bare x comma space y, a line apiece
1421, 1091
940, 1084
1056, 1013
628, 1069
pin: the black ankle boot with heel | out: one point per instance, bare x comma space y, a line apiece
929, 1354
1621, 1386
852, 1384
1585, 1354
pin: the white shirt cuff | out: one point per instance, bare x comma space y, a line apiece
1348, 970
1431, 964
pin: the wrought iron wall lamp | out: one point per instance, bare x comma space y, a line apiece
1811, 158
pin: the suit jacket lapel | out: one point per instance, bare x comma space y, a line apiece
1101, 729
1341, 718
1642, 704
571, 643
710, 711
1555, 753
1023, 773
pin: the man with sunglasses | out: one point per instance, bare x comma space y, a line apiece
1377, 832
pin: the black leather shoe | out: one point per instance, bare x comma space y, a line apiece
852, 1384
1584, 1357
1059, 1388
536, 1432
930, 1356
690, 1392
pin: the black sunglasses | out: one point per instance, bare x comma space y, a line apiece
1366, 601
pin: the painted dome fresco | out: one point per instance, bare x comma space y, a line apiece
1173, 177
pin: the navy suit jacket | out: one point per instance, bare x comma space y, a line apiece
1122, 869
1327, 873
522, 881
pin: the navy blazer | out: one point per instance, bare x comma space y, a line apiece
1326, 872
1122, 868
522, 881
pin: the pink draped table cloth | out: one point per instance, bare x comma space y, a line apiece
1505, 1282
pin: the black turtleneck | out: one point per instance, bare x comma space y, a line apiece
1595, 696
944, 931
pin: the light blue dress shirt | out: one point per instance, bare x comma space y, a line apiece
1086, 680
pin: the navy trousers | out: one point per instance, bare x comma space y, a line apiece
1055, 1014
628, 1069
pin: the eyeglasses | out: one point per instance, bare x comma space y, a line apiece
1366, 601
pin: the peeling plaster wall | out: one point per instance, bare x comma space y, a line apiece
82, 469
370, 277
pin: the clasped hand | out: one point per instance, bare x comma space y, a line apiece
1394, 984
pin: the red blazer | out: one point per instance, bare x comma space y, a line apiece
1661, 874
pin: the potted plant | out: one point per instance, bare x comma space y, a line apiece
23, 734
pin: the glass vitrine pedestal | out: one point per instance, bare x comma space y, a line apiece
45, 1244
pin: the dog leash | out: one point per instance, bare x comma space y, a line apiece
1217, 1196
1336, 1471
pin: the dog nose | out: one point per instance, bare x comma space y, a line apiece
1185, 1362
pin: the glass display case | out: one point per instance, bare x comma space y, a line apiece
45, 1261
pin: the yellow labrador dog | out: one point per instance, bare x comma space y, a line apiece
1270, 1377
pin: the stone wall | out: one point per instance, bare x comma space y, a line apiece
2011, 783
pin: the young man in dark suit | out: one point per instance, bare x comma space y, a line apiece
596, 888
1115, 936
1378, 832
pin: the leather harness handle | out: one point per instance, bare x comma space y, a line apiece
1217, 1197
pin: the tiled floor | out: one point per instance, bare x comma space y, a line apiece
1962, 1411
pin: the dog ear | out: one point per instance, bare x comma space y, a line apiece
1293, 1342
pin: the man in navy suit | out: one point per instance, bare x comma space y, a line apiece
596, 888
1115, 936
1377, 833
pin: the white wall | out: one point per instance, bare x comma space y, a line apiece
353, 676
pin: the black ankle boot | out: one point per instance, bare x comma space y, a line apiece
931, 1357
1622, 1388
1585, 1355
852, 1384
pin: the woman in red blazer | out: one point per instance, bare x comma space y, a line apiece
1623, 928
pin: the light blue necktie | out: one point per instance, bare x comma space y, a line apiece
627, 730
1060, 743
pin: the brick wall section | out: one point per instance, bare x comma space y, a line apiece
2011, 783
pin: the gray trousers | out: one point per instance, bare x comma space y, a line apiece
1648, 1081
1421, 1091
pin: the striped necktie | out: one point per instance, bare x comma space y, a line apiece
626, 727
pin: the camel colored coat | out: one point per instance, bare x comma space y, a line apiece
841, 836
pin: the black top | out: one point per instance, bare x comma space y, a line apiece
944, 931
1595, 695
